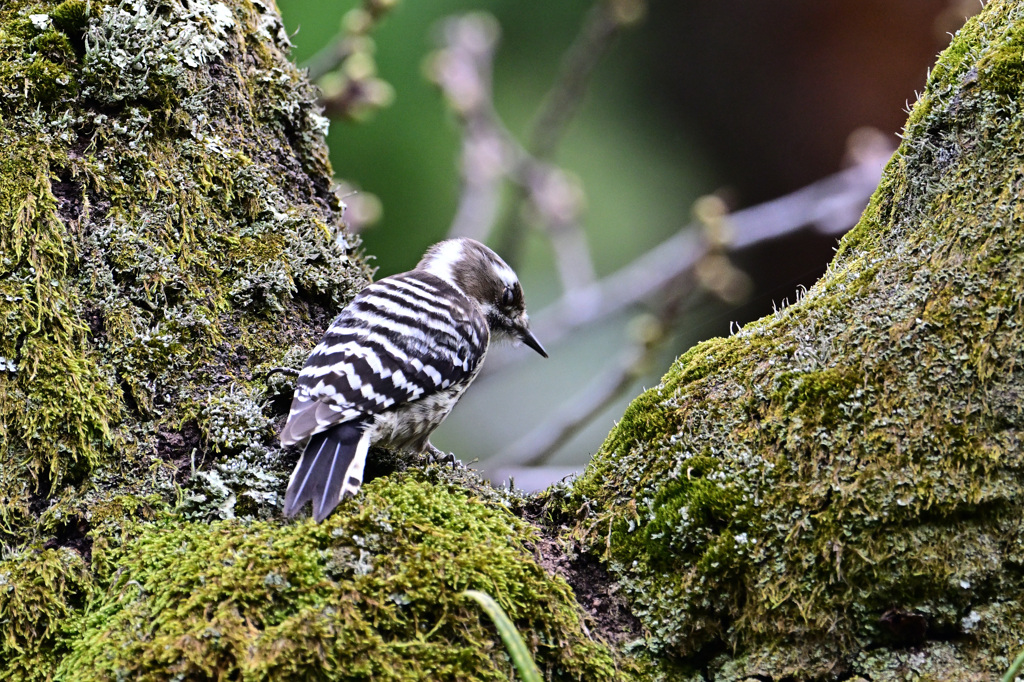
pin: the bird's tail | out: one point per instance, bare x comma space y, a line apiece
330, 467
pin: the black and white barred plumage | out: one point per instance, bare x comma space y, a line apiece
394, 363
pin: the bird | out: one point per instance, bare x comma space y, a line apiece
394, 363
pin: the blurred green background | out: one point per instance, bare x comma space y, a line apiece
641, 171
748, 100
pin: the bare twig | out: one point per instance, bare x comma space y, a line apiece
558, 199
831, 205
356, 23
328, 58
462, 68
345, 69
490, 154
603, 23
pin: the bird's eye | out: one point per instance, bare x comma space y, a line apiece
507, 297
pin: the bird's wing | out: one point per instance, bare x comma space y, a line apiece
401, 339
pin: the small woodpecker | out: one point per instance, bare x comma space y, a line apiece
393, 364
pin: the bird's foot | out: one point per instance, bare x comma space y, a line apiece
434, 456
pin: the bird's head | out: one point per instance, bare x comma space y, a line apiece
482, 276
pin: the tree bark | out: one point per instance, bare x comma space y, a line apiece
835, 492
169, 234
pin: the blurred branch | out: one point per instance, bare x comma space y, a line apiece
670, 270
829, 206
463, 68
603, 23
345, 69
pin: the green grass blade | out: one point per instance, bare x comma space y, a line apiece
514, 643
1015, 668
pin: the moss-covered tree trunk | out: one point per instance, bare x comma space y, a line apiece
168, 234
836, 492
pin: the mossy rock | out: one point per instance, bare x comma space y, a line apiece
837, 491
373, 593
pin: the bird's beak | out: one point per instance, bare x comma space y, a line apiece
527, 337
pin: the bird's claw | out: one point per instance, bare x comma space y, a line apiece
436, 456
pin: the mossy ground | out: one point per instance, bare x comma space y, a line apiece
838, 490
168, 234
371, 594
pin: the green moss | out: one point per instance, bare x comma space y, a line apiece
1001, 68
37, 63
877, 217
371, 593
42, 592
818, 395
856, 454
644, 418
140, 249
53, 46
53, 372
54, 385
71, 16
